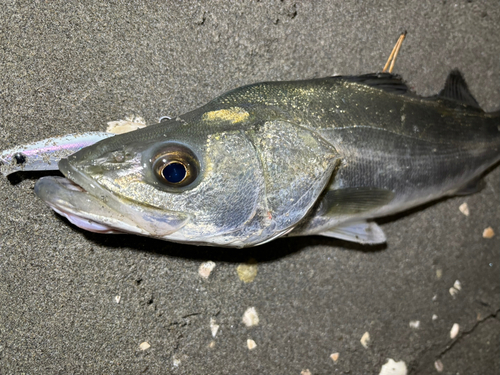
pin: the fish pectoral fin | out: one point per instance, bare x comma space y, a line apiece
352, 201
456, 89
362, 232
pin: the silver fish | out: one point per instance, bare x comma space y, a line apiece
321, 156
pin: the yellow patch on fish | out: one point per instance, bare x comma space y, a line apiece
233, 115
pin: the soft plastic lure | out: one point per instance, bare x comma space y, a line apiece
44, 155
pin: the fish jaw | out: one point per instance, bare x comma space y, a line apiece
87, 205
67, 199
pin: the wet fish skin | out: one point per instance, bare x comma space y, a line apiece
318, 156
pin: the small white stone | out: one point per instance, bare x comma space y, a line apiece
206, 268
434, 317
439, 365
415, 324
118, 299
144, 345
454, 331
434, 298
394, 368
365, 339
250, 317
213, 327
305, 372
457, 285
453, 291
251, 344
488, 232
464, 208
334, 357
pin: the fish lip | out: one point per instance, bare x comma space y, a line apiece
117, 214
66, 198
77, 177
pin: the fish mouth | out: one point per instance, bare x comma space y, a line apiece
67, 199
91, 207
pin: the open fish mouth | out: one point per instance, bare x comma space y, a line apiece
87, 205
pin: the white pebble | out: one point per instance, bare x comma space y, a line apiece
250, 317
206, 268
251, 344
454, 331
439, 365
213, 327
464, 208
394, 368
488, 233
144, 346
365, 339
439, 273
415, 324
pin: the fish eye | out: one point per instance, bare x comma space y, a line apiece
176, 166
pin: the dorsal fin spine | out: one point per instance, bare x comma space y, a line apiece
456, 89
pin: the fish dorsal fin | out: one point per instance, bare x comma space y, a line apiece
388, 82
456, 89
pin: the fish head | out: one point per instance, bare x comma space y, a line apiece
194, 181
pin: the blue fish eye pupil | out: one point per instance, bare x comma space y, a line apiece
174, 172
175, 168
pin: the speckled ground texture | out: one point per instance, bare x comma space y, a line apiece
67, 67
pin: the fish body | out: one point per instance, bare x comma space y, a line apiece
321, 156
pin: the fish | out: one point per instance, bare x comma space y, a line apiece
321, 156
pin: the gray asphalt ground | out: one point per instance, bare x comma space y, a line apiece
77, 302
